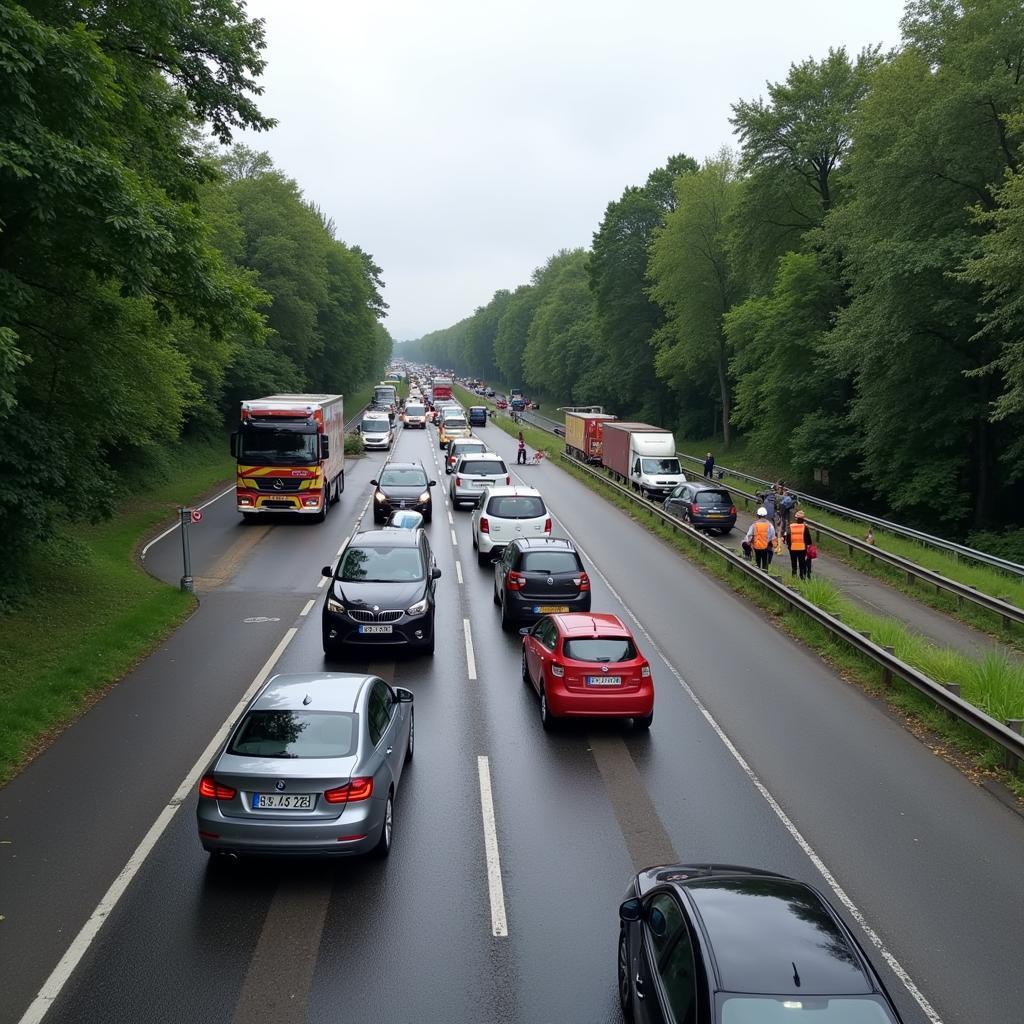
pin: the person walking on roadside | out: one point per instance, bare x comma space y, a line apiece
761, 537
768, 499
709, 466
521, 452
798, 540
786, 504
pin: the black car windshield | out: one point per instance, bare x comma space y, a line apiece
516, 506
414, 477
295, 734
803, 1010
660, 466
550, 562
380, 565
375, 426
483, 467
714, 498
600, 648
291, 446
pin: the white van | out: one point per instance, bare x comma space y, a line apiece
376, 430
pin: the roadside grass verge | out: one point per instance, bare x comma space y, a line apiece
93, 612
993, 683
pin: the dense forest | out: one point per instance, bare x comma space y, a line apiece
845, 289
149, 274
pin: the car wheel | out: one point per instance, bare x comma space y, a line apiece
506, 618
497, 600
625, 989
383, 847
249, 517
645, 494
483, 558
526, 670
643, 721
547, 720
725, 531
332, 649
472, 537
412, 738
429, 648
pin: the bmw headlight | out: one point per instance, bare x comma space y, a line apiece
335, 606
425, 496
418, 608
380, 496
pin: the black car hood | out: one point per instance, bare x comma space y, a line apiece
384, 595
397, 493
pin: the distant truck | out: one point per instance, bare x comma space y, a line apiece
584, 433
290, 451
385, 398
516, 399
642, 456
442, 388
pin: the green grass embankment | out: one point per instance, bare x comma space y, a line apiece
93, 612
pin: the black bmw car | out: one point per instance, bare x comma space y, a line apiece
402, 485
717, 944
382, 593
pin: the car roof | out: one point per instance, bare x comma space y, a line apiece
402, 465
375, 414
488, 456
388, 537
478, 408
536, 543
590, 624
327, 691
460, 441
772, 934
517, 490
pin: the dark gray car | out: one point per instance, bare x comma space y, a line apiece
311, 766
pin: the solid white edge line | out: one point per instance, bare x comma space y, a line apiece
171, 529
455, 540
80, 944
470, 655
458, 570
499, 922
840, 893
309, 604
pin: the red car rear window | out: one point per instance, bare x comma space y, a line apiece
600, 648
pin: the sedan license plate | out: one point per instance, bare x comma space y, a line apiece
716, 515
376, 629
544, 609
604, 680
282, 801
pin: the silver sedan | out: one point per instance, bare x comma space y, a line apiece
311, 766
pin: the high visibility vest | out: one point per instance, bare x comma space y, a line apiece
761, 528
798, 537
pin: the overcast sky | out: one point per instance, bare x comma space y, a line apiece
462, 142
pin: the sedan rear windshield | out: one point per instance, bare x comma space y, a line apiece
600, 648
550, 561
295, 734
507, 506
482, 467
380, 565
714, 498
812, 1010
403, 478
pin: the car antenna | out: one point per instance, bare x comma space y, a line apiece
796, 975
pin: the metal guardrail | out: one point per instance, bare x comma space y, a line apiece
946, 697
959, 550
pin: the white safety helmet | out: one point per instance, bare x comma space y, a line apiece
762, 511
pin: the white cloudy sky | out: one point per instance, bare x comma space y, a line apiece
464, 141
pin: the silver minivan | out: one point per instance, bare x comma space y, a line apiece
474, 474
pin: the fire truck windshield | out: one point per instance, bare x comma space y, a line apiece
266, 447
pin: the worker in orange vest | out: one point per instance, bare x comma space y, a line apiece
798, 540
761, 537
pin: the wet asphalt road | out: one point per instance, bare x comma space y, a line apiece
932, 862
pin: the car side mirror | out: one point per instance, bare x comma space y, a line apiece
358, 429
234, 445
327, 571
435, 573
496, 559
433, 483
631, 910
525, 631
404, 696
375, 484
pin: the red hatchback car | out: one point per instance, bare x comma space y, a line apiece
586, 664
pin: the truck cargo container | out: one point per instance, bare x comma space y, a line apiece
642, 455
290, 451
584, 433
442, 388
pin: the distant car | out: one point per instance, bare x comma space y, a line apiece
462, 446
312, 766
376, 431
402, 485
505, 513
501, 403
382, 593
718, 944
587, 665
473, 474
478, 416
539, 576
489, 392
451, 426
414, 415
703, 505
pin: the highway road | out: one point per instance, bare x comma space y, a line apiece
759, 754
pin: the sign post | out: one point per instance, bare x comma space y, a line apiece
188, 515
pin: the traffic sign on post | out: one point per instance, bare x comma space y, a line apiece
197, 515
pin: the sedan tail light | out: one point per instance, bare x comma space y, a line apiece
645, 671
515, 581
485, 526
732, 510
694, 509
584, 581
354, 789
557, 671
547, 525
210, 788
508, 478
458, 481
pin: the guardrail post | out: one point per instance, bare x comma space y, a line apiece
886, 671
1011, 760
954, 688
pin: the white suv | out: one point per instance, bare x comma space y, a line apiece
505, 514
473, 474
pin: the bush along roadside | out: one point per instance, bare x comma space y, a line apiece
994, 683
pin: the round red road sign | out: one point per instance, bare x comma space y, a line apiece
197, 515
